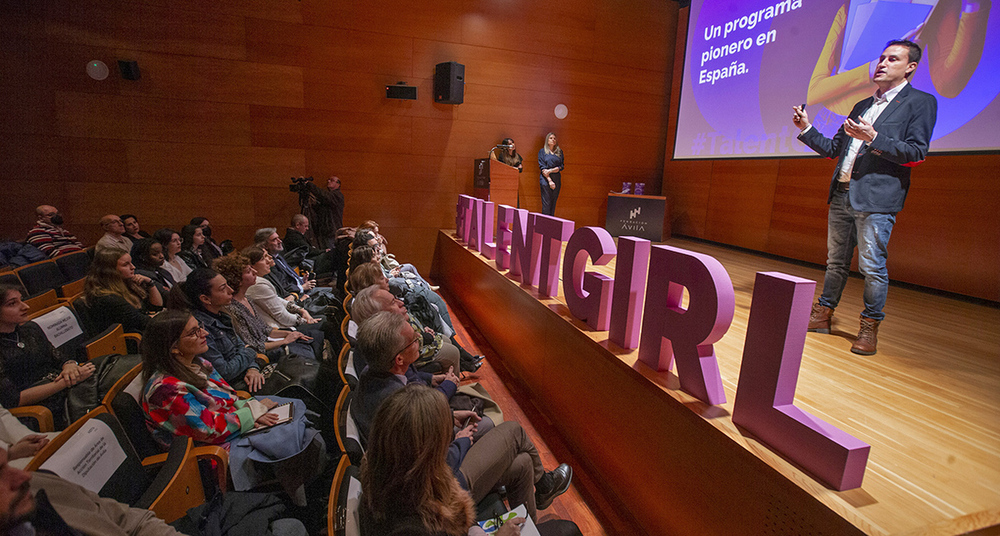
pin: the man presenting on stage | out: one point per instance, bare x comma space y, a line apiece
881, 139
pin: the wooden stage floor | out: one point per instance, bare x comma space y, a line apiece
928, 403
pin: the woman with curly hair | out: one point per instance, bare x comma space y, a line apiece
272, 342
114, 294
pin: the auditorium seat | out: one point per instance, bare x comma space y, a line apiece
74, 266
41, 276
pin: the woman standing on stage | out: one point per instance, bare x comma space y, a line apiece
550, 162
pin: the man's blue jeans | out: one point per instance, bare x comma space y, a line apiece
869, 231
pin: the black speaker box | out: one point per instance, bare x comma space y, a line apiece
129, 69
449, 83
401, 92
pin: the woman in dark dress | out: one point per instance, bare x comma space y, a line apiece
113, 293
551, 164
31, 369
192, 240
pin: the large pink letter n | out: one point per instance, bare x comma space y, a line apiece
772, 353
669, 330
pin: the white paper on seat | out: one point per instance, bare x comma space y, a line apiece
352, 527
59, 326
89, 458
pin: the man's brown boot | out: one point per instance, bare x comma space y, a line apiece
867, 337
819, 318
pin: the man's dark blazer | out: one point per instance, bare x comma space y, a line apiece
881, 174
374, 387
283, 277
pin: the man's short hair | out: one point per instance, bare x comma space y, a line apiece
379, 340
914, 53
365, 304
298, 218
261, 236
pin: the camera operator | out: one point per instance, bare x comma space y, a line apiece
324, 208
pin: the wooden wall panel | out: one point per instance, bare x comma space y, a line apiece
140, 118
328, 48
138, 26
236, 97
212, 79
213, 165
739, 209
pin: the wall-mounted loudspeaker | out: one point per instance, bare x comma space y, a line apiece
129, 69
400, 91
449, 83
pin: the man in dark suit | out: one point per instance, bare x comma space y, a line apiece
883, 137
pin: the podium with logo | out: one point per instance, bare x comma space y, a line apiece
637, 215
495, 181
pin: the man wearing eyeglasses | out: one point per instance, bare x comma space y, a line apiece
114, 235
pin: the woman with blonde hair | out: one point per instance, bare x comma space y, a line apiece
114, 294
551, 164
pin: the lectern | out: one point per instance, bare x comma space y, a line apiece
495, 181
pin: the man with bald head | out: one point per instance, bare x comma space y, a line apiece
114, 234
48, 234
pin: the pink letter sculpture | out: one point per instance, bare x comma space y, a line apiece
669, 330
464, 221
524, 249
588, 294
489, 245
505, 222
629, 291
550, 232
772, 353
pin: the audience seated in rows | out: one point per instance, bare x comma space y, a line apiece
390, 347
209, 250
422, 316
48, 234
114, 235
205, 293
31, 370
264, 339
284, 278
185, 395
301, 253
114, 294
405, 284
435, 354
132, 230
171, 242
192, 240
149, 260
270, 307
418, 476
